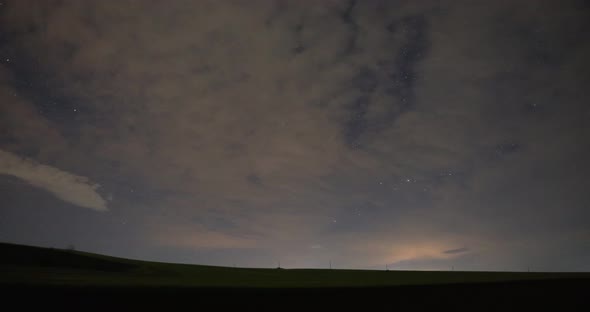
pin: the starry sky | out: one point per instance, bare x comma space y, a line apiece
414, 134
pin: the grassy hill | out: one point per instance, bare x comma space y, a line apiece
35, 266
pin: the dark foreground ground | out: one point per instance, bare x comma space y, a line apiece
43, 279
556, 295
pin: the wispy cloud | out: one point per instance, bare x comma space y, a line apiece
202, 238
74, 189
456, 251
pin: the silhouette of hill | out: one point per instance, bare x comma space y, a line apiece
58, 278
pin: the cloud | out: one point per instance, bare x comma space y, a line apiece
69, 187
201, 238
456, 251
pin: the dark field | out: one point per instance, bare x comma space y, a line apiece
72, 279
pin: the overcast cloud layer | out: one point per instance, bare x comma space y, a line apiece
422, 134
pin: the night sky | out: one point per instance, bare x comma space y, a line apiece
417, 134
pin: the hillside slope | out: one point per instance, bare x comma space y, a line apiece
26, 265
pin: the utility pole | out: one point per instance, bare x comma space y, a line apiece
330, 264
386, 267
